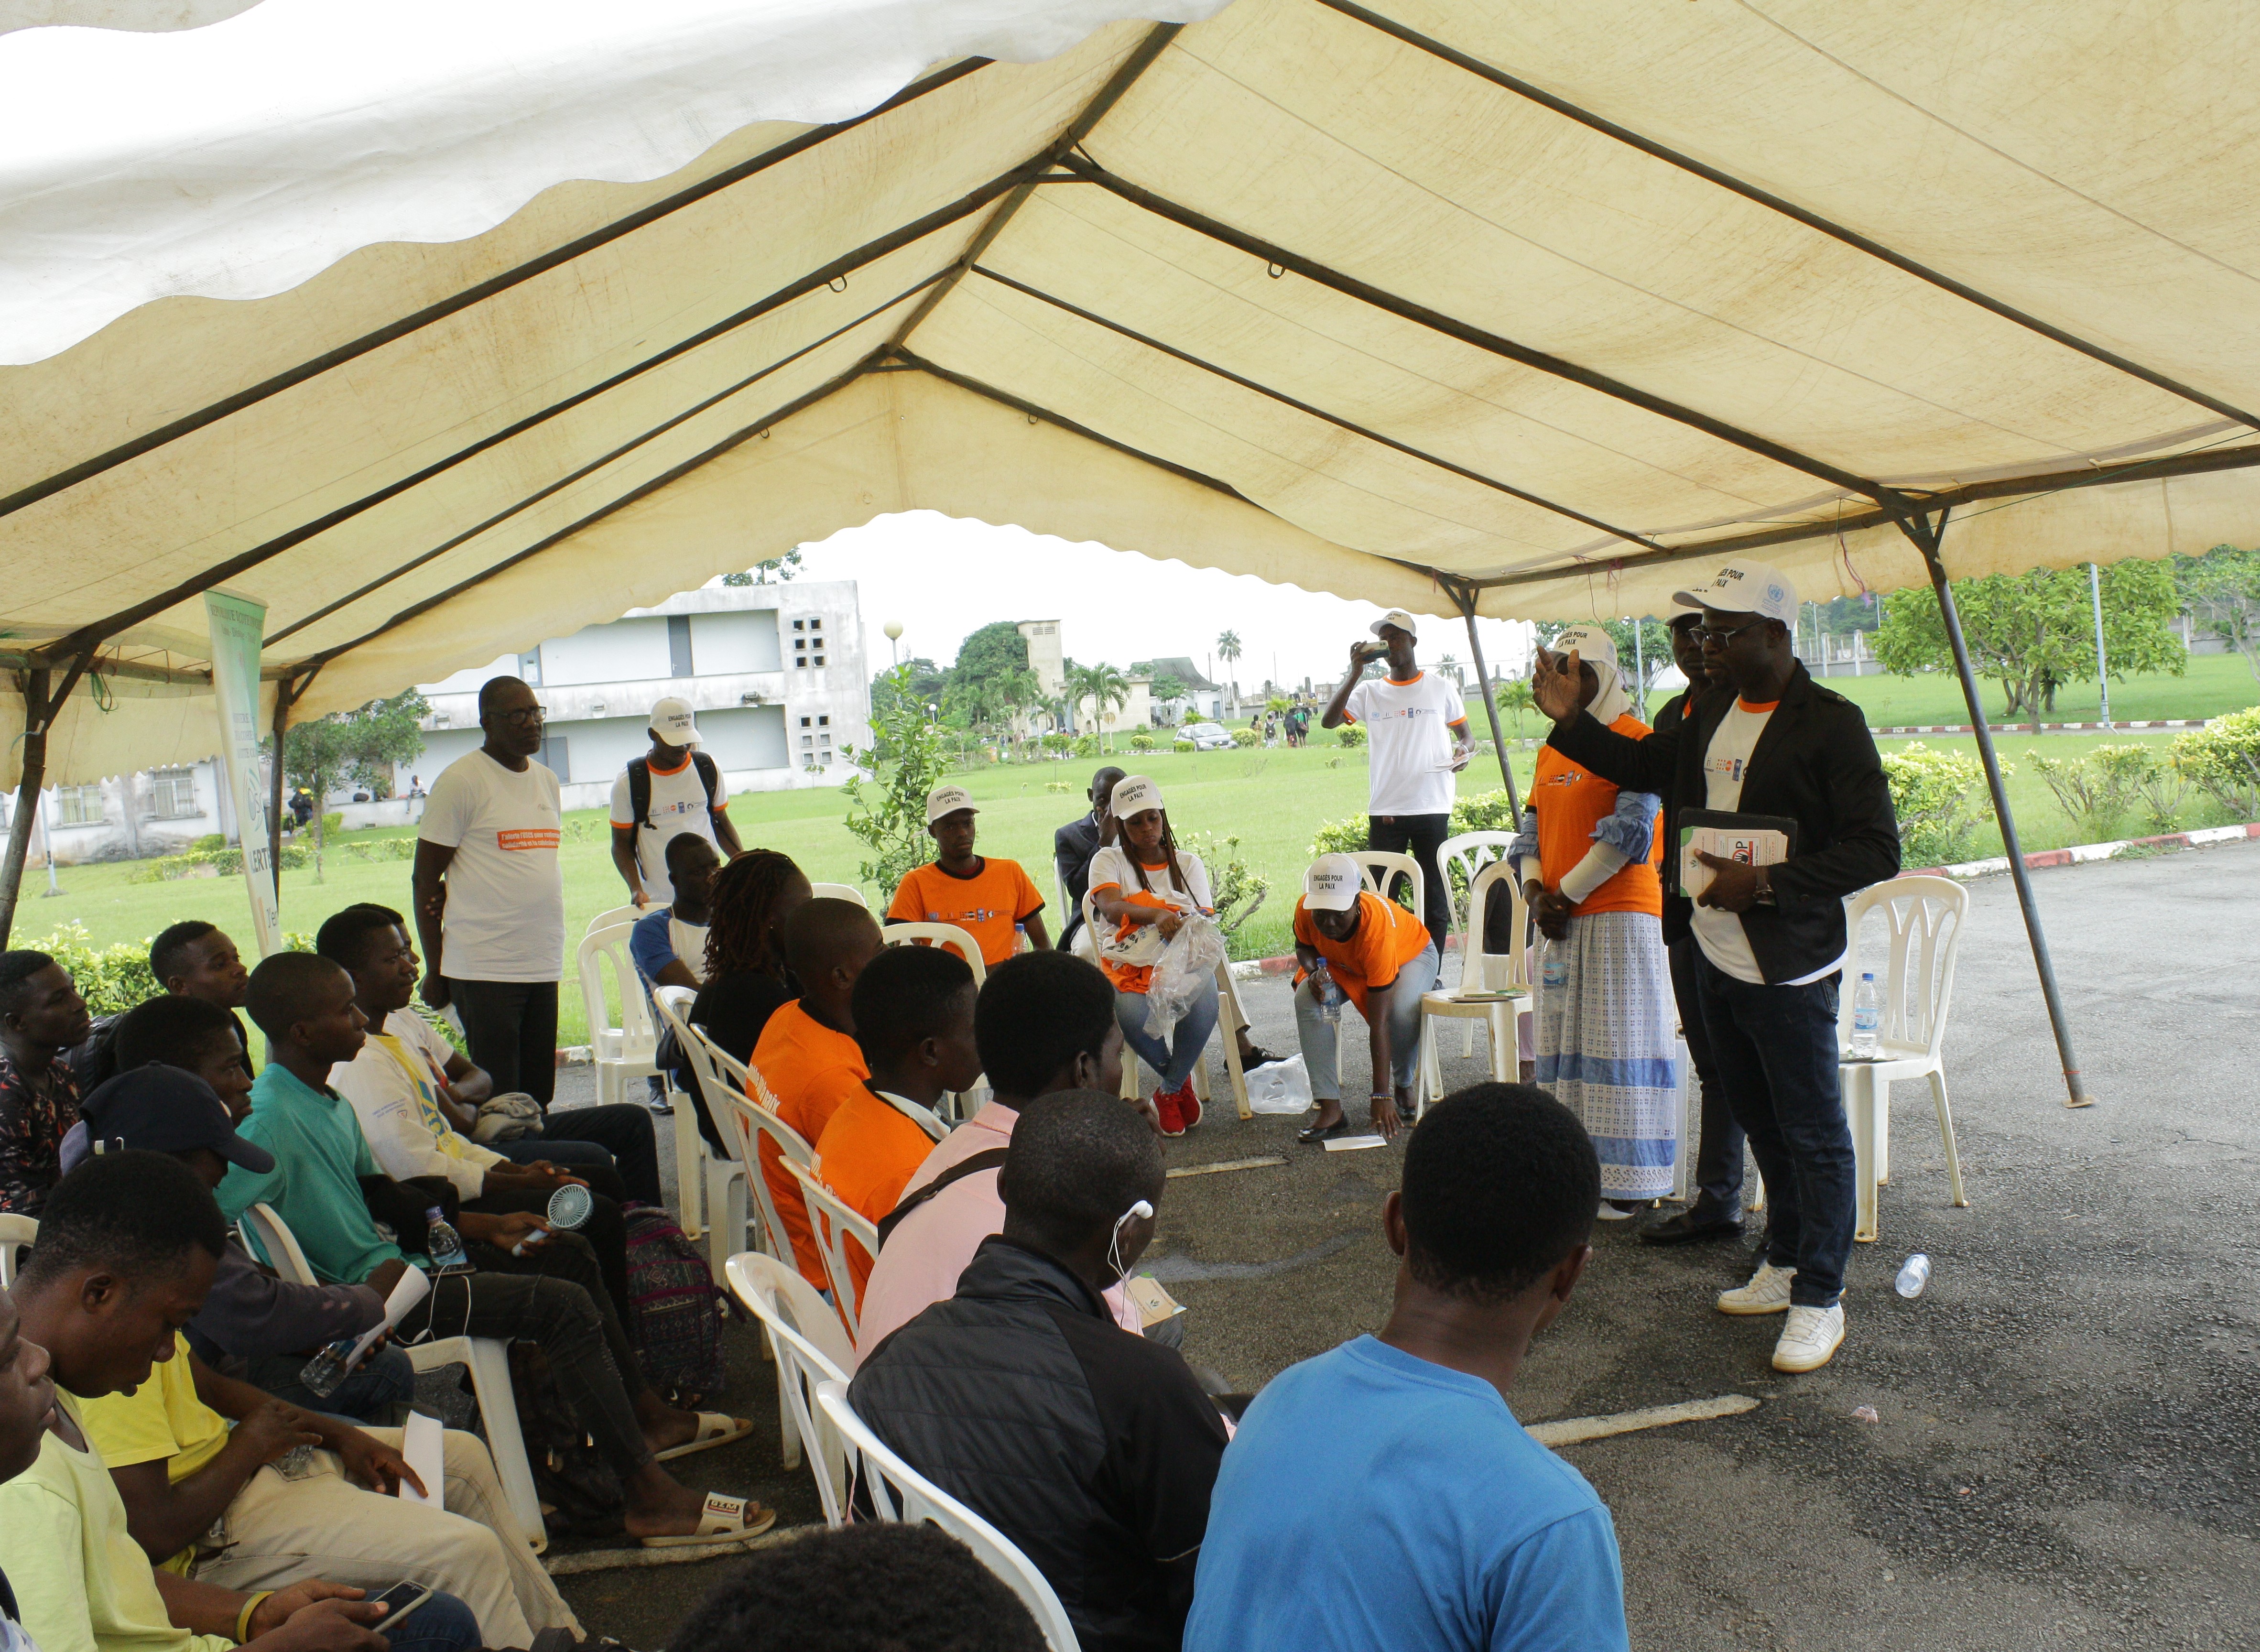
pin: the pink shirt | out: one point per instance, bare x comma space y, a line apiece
925, 1255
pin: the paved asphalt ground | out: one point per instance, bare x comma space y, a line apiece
2068, 1449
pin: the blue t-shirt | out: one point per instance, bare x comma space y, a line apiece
649, 946
1373, 1500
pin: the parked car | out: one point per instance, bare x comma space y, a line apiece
1206, 737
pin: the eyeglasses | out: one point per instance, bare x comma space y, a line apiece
523, 715
1711, 633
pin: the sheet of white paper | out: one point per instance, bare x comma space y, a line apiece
424, 1442
412, 1289
1751, 848
1351, 1144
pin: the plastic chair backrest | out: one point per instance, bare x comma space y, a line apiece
616, 916
603, 950
14, 1231
265, 1234
900, 1492
840, 891
812, 1347
1487, 970
1464, 856
754, 1118
1924, 918
834, 1222
1381, 868
948, 935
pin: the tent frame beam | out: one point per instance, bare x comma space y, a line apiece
1335, 419
502, 282
1766, 199
1493, 343
1928, 537
43, 699
1464, 596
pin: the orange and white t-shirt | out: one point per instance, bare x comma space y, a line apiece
1570, 801
987, 905
1388, 938
506, 913
811, 1070
1113, 867
868, 1153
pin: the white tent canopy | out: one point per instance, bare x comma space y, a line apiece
1439, 303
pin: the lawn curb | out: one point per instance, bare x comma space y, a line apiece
2113, 727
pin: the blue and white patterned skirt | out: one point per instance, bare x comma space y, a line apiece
1605, 1046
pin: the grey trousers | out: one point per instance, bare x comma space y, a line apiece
1320, 1039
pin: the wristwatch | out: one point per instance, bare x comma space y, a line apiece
1764, 896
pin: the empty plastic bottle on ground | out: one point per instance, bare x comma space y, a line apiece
444, 1245
1867, 1016
1915, 1274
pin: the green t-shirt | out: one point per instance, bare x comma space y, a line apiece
319, 1156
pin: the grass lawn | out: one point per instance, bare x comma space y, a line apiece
1273, 801
2213, 684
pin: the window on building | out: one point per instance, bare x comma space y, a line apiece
78, 806
529, 669
807, 740
678, 645
172, 794
555, 756
804, 722
800, 663
821, 722
800, 625
820, 659
800, 643
816, 625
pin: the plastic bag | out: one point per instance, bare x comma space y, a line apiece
1282, 1087
1187, 964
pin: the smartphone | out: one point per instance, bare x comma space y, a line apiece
402, 1598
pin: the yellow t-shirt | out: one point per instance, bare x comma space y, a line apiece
84, 1584
163, 1418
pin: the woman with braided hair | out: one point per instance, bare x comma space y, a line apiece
746, 979
1143, 888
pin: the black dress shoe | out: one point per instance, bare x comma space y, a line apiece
1316, 1134
1258, 1057
1690, 1225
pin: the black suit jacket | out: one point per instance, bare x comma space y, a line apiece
1816, 763
1072, 847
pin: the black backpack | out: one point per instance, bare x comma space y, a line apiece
640, 783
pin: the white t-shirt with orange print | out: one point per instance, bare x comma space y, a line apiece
1411, 728
506, 914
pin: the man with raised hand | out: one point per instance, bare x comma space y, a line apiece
1072, 847
1417, 740
672, 790
1779, 747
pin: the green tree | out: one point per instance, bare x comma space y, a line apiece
775, 571
886, 798
1107, 689
1515, 699
2223, 588
1167, 690
2034, 631
1228, 649
362, 745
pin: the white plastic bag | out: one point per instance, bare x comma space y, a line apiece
1187, 963
1280, 1087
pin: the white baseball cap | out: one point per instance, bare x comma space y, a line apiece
1590, 643
948, 800
1746, 588
1333, 883
1399, 618
1133, 793
672, 722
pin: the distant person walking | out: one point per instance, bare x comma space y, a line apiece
672, 789
1417, 732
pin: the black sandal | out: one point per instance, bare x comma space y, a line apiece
1317, 1134
1258, 1057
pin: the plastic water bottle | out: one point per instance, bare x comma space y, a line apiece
326, 1370
1554, 973
1866, 1022
444, 1245
1328, 995
1915, 1274
1020, 942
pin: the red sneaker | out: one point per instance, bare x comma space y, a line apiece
1165, 1103
1189, 1107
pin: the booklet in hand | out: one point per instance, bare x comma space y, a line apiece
1755, 840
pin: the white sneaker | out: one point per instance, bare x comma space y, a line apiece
1767, 1292
1810, 1340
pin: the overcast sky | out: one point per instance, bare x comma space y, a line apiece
944, 577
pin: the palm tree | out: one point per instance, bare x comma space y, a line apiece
1107, 689
1228, 649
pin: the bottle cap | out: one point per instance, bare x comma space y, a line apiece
431, 1214
569, 1206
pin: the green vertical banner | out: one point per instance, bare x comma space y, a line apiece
239, 626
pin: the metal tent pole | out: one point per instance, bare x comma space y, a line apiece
1466, 598
2102, 664
42, 700
1927, 537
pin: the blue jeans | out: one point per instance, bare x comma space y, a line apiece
442, 1624
1320, 1039
1776, 1052
1175, 1059
385, 1379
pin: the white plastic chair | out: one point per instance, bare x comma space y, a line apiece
266, 1233
900, 1492
1924, 918
948, 935
1479, 970
840, 891
1382, 868
834, 1222
614, 917
723, 1186
690, 1156
812, 1347
756, 1117
622, 1049
14, 1231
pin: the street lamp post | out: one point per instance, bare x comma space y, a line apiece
894, 630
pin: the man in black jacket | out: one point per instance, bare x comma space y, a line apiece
1072, 847
1717, 1211
1772, 937
1092, 1449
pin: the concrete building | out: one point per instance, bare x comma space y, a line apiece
774, 672
1047, 659
128, 816
1204, 699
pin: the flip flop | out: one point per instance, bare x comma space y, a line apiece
714, 1429
1317, 1134
723, 1520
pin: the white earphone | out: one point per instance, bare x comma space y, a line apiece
1143, 1207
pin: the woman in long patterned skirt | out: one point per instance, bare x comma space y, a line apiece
1587, 859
